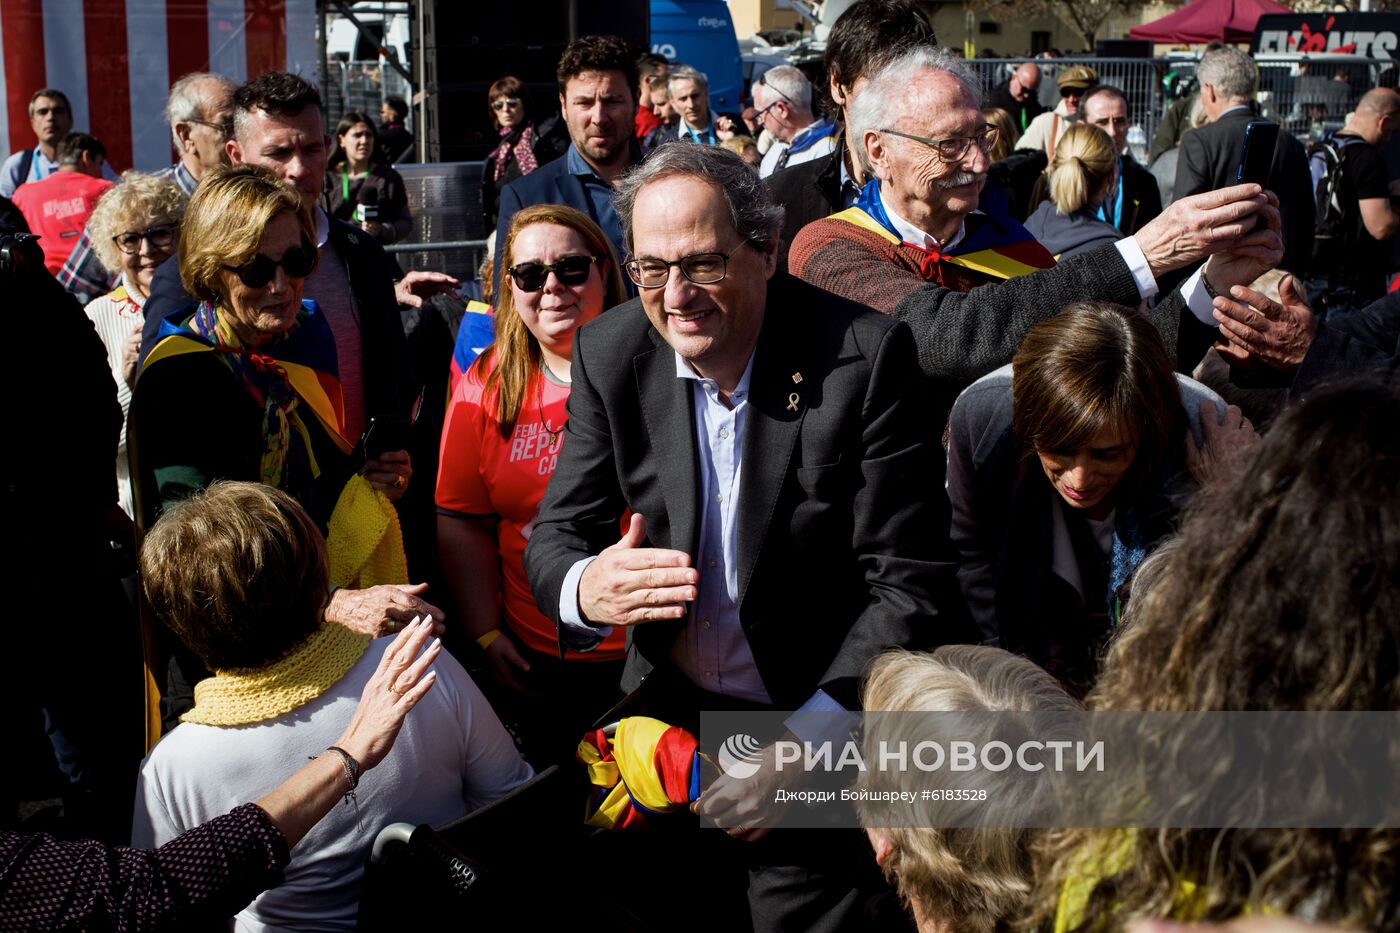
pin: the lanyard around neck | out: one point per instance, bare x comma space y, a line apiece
345, 183
1117, 201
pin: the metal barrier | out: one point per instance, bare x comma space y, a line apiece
1138, 78
362, 86
447, 234
1310, 98
1307, 97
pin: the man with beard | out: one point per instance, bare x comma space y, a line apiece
597, 78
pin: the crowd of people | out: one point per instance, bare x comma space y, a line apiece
927, 403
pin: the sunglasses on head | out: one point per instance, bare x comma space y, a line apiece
260, 270
569, 270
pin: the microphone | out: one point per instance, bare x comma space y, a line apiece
368, 207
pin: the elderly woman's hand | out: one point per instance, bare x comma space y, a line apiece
390, 473
398, 684
382, 610
1226, 440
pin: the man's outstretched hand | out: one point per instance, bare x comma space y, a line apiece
629, 584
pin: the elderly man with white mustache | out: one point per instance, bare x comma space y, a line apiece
928, 244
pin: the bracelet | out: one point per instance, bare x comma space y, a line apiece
1210, 289
352, 767
489, 639
352, 775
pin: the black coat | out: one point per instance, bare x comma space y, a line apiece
1365, 342
807, 191
1210, 157
841, 484
1142, 198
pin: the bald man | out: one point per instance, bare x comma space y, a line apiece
1018, 95
1359, 257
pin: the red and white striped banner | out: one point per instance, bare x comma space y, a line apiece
116, 60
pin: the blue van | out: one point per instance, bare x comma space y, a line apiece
700, 33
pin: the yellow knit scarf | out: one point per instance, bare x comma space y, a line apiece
364, 542
239, 698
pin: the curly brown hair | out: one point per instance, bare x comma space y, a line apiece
1282, 595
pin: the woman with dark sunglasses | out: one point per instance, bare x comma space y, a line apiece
520, 150
504, 429
245, 385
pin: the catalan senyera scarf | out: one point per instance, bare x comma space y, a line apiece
297, 372
646, 768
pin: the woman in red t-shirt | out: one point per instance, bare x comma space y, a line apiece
500, 445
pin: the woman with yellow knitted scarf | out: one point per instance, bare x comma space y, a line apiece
245, 385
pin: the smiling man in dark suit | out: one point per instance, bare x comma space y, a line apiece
788, 516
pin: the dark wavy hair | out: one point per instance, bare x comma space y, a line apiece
597, 53
870, 35
1283, 594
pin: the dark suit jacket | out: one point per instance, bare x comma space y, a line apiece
1142, 199
1365, 342
808, 191
548, 184
1210, 156
843, 547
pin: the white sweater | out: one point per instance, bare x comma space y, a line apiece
452, 757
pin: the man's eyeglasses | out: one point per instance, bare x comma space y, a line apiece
159, 236
954, 148
505, 102
699, 268
260, 270
223, 127
762, 79
569, 270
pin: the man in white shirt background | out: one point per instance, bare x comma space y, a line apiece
783, 96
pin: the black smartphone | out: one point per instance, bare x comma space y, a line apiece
1257, 156
385, 433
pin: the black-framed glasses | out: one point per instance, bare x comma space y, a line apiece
699, 268
505, 102
160, 236
260, 270
569, 270
954, 148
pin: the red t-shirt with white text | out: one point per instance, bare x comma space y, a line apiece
56, 209
482, 473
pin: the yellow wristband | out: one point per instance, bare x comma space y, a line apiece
487, 640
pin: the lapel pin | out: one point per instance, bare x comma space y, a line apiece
792, 402
796, 377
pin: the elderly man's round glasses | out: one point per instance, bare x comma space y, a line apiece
159, 236
700, 268
954, 148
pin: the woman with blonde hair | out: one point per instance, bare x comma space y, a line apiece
133, 230
245, 385
504, 429
953, 879
1007, 133
1082, 175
